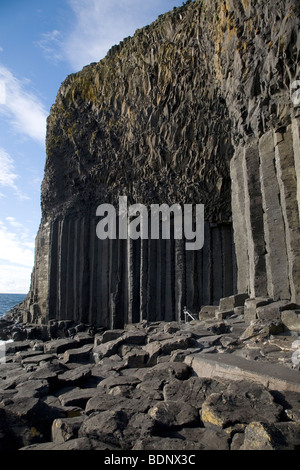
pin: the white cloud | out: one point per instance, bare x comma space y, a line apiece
21, 107
97, 27
16, 247
8, 176
51, 44
14, 279
16, 256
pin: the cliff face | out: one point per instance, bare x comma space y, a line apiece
195, 108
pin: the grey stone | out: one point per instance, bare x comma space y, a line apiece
273, 310
240, 403
166, 371
136, 358
110, 382
173, 414
166, 444
84, 338
251, 305
154, 350
291, 320
65, 429
28, 419
111, 335
272, 436
77, 397
102, 401
77, 376
221, 315
106, 427
229, 303
171, 327
232, 367
193, 391
107, 349
208, 311
207, 439
38, 358
135, 337
59, 346
81, 443
33, 388
180, 342
78, 355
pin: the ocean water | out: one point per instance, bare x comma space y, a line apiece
8, 301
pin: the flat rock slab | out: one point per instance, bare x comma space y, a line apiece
231, 367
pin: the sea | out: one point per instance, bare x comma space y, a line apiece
8, 301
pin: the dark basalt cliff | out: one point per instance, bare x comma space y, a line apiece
195, 108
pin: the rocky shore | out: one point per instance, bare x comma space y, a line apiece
76, 387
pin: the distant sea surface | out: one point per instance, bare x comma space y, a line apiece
8, 301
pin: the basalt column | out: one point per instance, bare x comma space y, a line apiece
200, 107
112, 282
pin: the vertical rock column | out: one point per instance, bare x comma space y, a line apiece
296, 144
276, 257
254, 222
239, 222
287, 180
38, 300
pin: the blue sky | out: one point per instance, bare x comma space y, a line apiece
41, 42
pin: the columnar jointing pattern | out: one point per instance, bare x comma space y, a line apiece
126, 281
265, 203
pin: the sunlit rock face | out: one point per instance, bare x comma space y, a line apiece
200, 107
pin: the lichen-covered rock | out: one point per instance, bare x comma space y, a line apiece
239, 403
276, 436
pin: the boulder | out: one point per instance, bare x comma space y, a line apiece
32, 388
291, 320
229, 303
239, 403
135, 337
194, 391
74, 377
103, 401
106, 427
110, 335
83, 338
208, 311
77, 397
251, 305
172, 327
166, 371
65, 429
153, 350
179, 342
107, 349
272, 436
172, 414
78, 355
59, 346
38, 358
111, 382
273, 310
136, 358
28, 420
